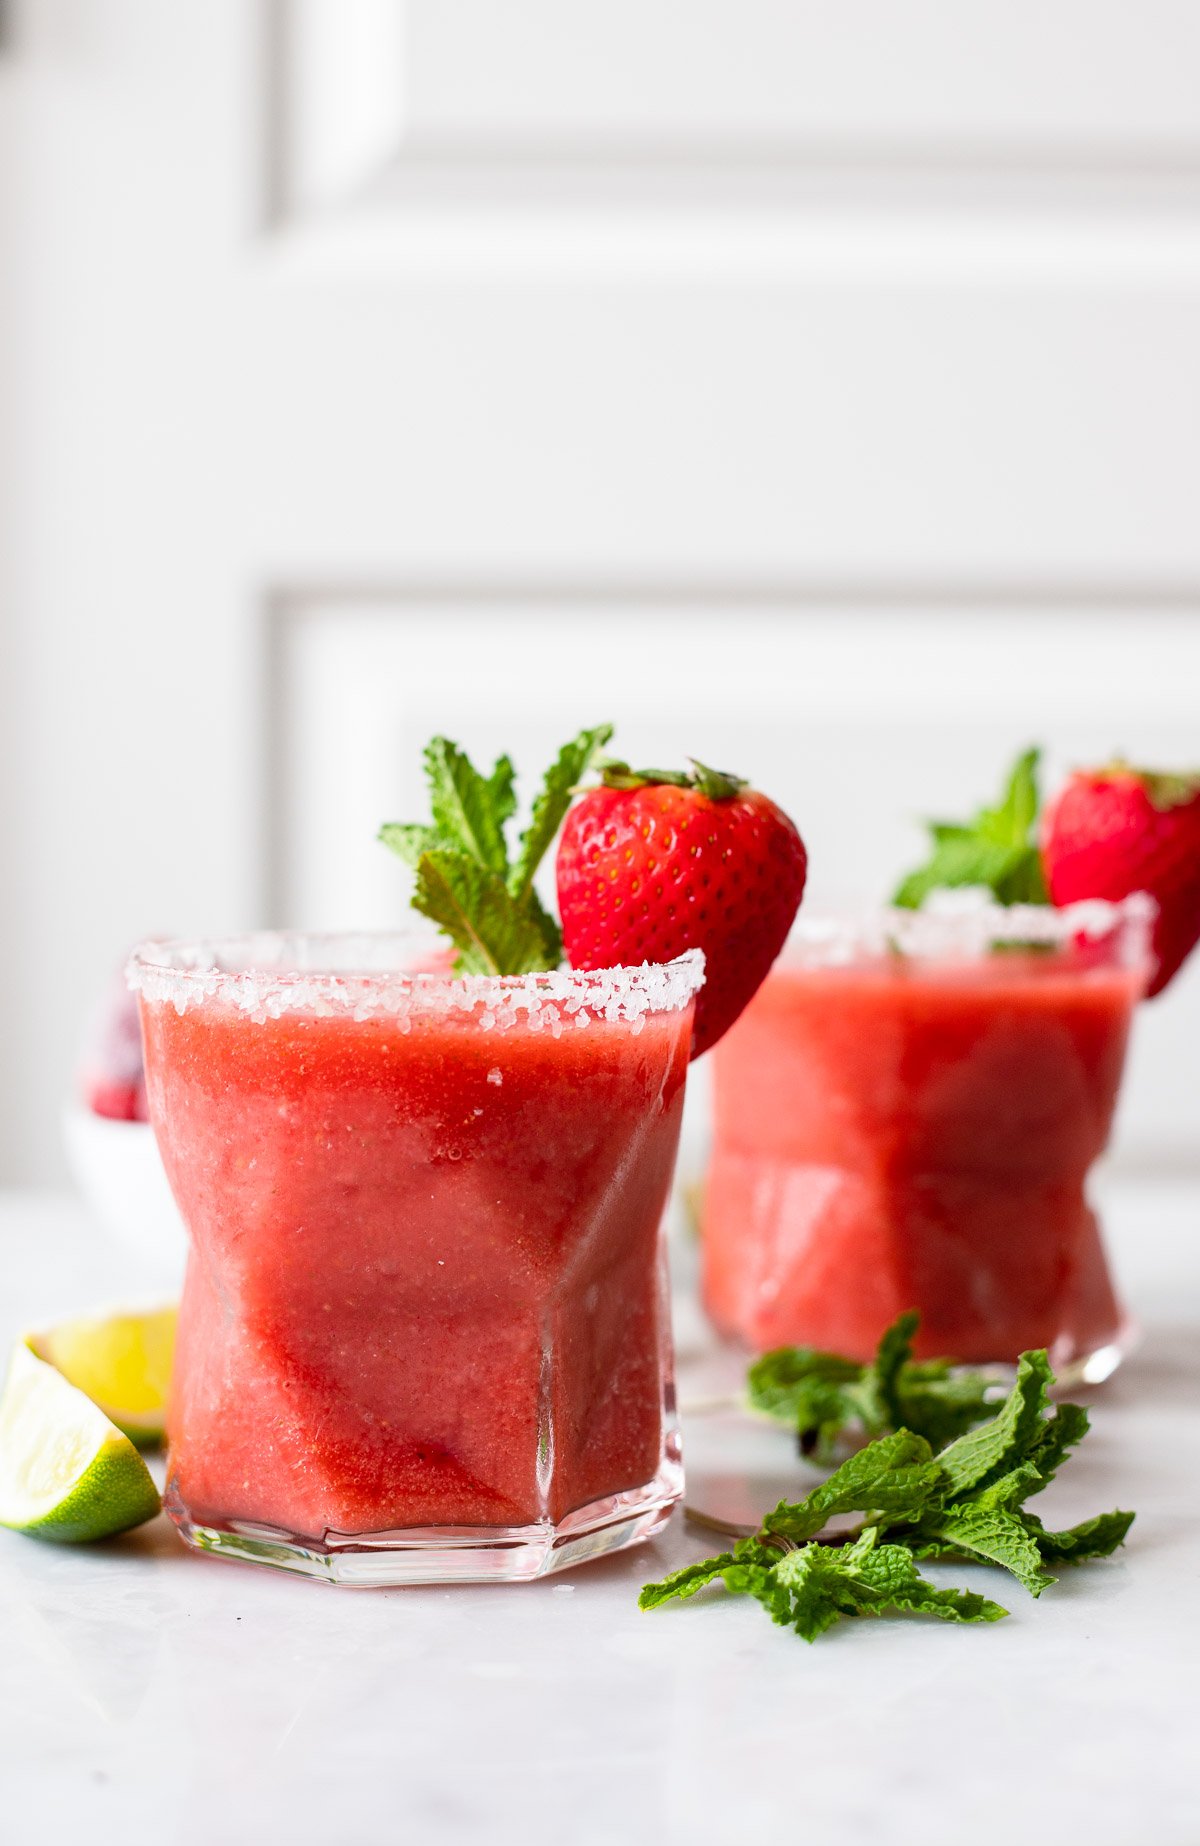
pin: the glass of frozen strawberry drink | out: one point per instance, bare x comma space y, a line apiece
905, 1117
424, 1333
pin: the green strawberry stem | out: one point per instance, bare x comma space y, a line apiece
1165, 788
717, 784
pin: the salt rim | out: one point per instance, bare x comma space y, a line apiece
967, 925
398, 976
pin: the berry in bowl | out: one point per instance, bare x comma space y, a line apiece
110, 1146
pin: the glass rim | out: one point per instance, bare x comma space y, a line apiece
968, 925
371, 973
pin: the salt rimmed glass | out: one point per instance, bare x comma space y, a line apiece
424, 1334
905, 1117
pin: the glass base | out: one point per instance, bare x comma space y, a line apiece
445, 1554
1073, 1368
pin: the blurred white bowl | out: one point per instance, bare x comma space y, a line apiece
117, 1168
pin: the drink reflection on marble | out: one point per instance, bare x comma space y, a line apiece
905, 1117
424, 1332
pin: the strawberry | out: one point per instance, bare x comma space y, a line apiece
121, 1102
654, 862
1117, 830
112, 1080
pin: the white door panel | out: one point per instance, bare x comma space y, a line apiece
727, 76
679, 90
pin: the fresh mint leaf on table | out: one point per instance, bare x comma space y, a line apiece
465, 882
963, 1504
822, 1394
997, 848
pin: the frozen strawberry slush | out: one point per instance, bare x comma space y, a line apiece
425, 1284
900, 1133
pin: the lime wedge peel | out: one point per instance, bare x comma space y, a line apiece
67, 1473
121, 1361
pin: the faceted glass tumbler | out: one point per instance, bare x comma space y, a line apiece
905, 1117
424, 1334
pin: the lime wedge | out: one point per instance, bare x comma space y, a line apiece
66, 1472
121, 1361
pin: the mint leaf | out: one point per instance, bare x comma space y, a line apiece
896, 1475
868, 1578
464, 881
469, 810
994, 1447
685, 1582
893, 1354
823, 1395
940, 1402
1011, 873
990, 1536
549, 810
1010, 823
1055, 1439
809, 1591
760, 1581
775, 1380
811, 1588
990, 1473
819, 1393
1097, 1537
997, 849
492, 932
408, 842
1007, 1491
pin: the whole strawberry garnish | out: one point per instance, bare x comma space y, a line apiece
1117, 830
654, 862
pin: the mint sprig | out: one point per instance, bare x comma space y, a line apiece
964, 1504
996, 849
465, 882
824, 1396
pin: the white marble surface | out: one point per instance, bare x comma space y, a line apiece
146, 1694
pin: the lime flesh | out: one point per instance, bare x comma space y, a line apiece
66, 1472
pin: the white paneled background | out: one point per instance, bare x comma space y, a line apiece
813, 388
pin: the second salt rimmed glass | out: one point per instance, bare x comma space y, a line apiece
425, 1333
905, 1117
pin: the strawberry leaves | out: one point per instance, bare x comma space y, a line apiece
717, 784
1165, 789
996, 849
965, 1505
464, 881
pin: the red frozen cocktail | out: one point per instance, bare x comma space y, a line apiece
424, 1331
905, 1117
